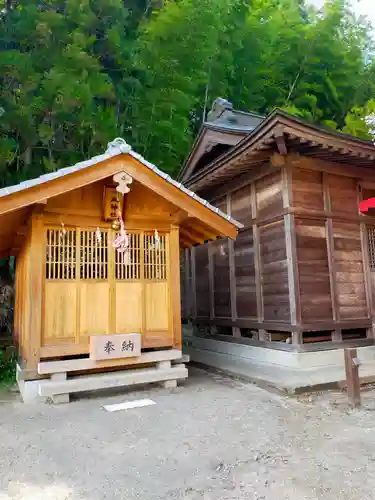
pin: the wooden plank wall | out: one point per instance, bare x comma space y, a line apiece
300, 261
349, 272
202, 289
274, 272
248, 278
313, 269
330, 253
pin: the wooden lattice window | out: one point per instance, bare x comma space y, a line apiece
94, 255
79, 254
128, 264
371, 247
155, 257
61, 251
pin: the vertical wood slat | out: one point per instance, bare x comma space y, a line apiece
292, 264
35, 291
287, 191
258, 274
257, 259
367, 276
332, 270
211, 282
232, 268
78, 265
112, 259
193, 282
336, 335
174, 285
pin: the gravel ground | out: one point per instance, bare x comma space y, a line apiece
215, 438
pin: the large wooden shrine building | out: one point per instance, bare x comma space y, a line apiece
301, 274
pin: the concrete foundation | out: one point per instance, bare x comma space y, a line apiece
29, 389
291, 371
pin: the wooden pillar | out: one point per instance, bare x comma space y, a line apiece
193, 284
352, 377
35, 289
175, 285
336, 334
293, 283
211, 283
368, 281
257, 256
291, 253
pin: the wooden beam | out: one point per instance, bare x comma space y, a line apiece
332, 271
280, 141
187, 283
179, 216
191, 236
367, 277
352, 377
287, 191
35, 290
193, 282
175, 286
258, 273
211, 280
293, 283
331, 167
194, 227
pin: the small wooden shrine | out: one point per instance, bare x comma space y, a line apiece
97, 249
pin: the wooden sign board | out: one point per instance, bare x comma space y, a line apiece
112, 203
127, 345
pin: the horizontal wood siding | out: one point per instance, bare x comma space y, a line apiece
221, 283
313, 270
246, 296
307, 189
343, 194
349, 272
240, 205
269, 200
202, 281
274, 272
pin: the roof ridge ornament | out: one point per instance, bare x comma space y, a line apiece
118, 143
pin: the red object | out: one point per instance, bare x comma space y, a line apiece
367, 205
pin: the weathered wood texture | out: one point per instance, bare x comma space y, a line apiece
313, 270
349, 272
274, 266
307, 189
202, 290
325, 257
246, 292
221, 280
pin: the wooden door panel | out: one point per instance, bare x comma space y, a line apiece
129, 307
60, 313
94, 310
157, 332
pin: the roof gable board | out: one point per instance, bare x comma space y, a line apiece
118, 157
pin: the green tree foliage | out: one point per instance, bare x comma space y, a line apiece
75, 74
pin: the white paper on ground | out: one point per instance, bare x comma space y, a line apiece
129, 404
